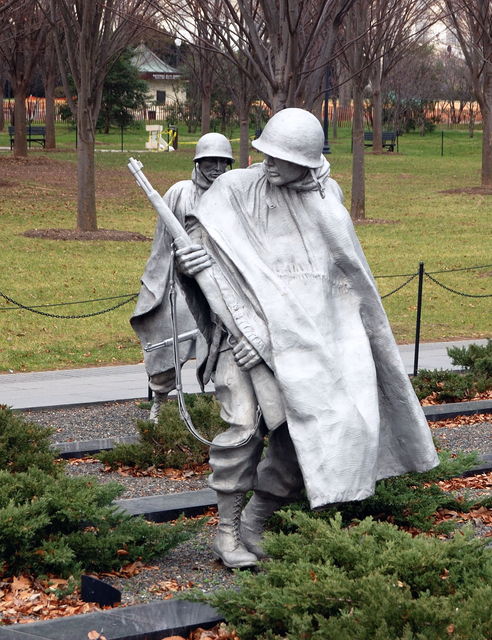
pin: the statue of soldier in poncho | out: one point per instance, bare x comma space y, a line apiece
283, 251
151, 319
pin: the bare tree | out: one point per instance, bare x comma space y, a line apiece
412, 88
373, 37
357, 58
89, 36
288, 43
2, 96
242, 92
23, 30
48, 68
456, 86
7, 5
471, 22
395, 29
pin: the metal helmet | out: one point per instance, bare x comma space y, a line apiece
213, 145
294, 135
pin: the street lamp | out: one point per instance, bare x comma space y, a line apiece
326, 146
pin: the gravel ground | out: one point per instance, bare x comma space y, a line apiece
192, 562
474, 437
105, 420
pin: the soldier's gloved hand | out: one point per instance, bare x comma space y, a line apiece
193, 259
245, 355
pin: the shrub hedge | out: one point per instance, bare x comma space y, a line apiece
50, 523
370, 581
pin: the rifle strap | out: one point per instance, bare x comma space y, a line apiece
183, 411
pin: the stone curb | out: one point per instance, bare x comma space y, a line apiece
152, 621
169, 506
452, 409
80, 448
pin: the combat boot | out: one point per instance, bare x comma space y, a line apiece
227, 545
159, 399
253, 520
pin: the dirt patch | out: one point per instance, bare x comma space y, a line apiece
47, 173
471, 191
73, 234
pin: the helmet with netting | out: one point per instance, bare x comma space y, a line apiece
294, 135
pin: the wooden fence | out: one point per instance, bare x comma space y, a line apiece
443, 112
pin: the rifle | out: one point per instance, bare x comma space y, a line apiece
264, 383
168, 342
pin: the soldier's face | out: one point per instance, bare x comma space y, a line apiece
280, 172
212, 168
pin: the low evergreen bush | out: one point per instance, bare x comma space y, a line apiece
50, 523
409, 501
370, 581
453, 386
448, 386
62, 525
475, 358
169, 443
24, 444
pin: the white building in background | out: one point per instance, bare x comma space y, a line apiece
165, 82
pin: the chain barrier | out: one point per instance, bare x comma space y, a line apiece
71, 303
74, 317
459, 293
412, 277
482, 266
132, 296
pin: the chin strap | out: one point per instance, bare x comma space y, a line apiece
318, 183
183, 411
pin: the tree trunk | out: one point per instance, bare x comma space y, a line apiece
377, 110
334, 131
487, 131
2, 117
49, 92
244, 136
358, 205
206, 105
86, 178
471, 122
20, 141
317, 108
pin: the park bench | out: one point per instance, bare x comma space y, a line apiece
389, 139
34, 133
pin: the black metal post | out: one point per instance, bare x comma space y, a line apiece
326, 146
419, 316
442, 143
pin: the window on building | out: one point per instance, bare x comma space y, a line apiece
160, 97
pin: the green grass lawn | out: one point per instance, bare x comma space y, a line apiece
406, 191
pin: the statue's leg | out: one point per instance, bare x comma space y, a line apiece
234, 468
161, 384
279, 480
227, 545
